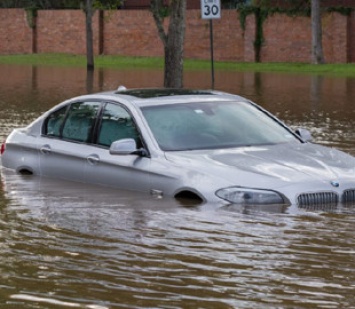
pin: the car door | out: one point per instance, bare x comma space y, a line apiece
64, 145
121, 171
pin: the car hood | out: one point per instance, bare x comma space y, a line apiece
271, 166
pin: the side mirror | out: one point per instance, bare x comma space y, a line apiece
127, 146
304, 134
124, 146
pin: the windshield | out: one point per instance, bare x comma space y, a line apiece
213, 125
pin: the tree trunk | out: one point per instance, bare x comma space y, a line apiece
173, 41
89, 11
317, 46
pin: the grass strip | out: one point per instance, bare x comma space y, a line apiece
122, 62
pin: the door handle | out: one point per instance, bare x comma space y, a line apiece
93, 159
45, 149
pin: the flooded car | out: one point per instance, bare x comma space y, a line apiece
204, 145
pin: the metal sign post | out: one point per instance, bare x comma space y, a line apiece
211, 48
211, 9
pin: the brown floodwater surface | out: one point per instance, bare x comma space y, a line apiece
68, 245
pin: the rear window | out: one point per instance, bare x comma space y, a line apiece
74, 122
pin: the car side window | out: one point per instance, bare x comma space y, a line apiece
116, 123
54, 122
80, 120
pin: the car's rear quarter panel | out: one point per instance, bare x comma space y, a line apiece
21, 152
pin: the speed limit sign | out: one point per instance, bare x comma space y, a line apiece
210, 9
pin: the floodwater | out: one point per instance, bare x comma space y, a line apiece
67, 245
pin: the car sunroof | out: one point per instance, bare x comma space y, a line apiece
154, 93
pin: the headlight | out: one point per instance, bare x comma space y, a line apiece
247, 196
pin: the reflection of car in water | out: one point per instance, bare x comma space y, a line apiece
205, 145
59, 207
52, 199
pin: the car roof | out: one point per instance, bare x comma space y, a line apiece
157, 96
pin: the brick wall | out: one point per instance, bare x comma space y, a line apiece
228, 38
63, 31
15, 33
335, 42
292, 40
133, 33
249, 37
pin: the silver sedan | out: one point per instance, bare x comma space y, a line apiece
204, 145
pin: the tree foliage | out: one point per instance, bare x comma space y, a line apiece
58, 4
234, 4
40, 4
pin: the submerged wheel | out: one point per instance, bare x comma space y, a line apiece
188, 198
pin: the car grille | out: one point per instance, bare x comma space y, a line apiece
325, 198
348, 196
318, 199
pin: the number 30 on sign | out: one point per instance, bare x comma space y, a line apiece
210, 9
